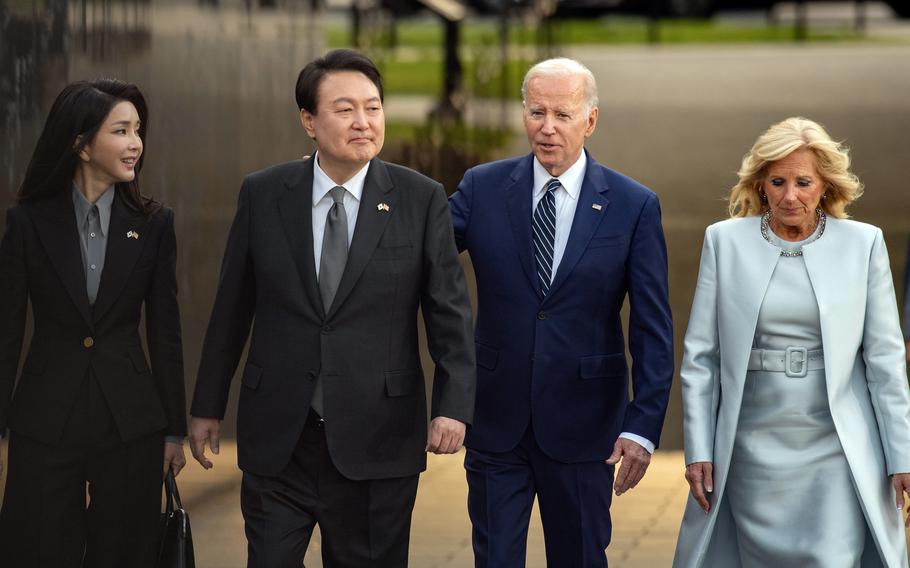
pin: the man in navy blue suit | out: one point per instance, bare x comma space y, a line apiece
557, 242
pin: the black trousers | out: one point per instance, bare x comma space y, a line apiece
364, 524
46, 522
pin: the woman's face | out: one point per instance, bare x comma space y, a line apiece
112, 156
794, 189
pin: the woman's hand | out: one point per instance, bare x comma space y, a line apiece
901, 482
174, 458
701, 482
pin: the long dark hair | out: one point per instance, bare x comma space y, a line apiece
73, 122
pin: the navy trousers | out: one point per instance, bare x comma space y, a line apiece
574, 501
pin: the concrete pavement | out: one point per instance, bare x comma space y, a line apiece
646, 520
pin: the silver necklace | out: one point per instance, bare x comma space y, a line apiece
820, 219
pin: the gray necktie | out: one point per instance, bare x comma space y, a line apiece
331, 267
334, 248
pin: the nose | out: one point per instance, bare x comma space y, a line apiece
360, 120
549, 125
135, 141
792, 193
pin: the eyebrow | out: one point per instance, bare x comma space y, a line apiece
349, 100
125, 122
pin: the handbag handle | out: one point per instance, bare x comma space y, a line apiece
172, 495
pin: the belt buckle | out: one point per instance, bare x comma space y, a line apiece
796, 362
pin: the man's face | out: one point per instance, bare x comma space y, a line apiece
556, 120
349, 126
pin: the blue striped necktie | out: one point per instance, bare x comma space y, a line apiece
544, 224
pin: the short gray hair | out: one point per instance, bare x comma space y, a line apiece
562, 67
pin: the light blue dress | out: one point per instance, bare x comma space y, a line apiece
790, 489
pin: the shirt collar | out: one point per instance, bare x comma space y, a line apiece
571, 179
83, 206
322, 183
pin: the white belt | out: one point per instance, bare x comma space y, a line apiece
794, 361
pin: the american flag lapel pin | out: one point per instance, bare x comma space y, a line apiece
132, 235
383, 207
596, 206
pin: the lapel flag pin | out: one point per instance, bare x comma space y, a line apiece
596, 206
383, 207
132, 235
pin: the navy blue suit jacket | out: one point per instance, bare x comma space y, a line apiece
560, 361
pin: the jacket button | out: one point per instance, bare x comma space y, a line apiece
311, 375
541, 315
88, 342
326, 329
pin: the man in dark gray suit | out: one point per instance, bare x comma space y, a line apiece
333, 256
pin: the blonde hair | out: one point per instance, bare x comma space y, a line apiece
832, 162
562, 67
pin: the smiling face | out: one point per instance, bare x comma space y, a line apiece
557, 121
349, 125
794, 189
112, 155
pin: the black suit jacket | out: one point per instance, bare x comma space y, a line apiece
402, 257
40, 261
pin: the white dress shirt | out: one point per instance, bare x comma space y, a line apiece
322, 202
566, 199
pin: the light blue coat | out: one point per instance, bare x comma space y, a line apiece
865, 371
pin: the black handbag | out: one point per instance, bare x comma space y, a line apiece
176, 549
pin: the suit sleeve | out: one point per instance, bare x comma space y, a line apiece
447, 316
650, 326
460, 205
163, 334
886, 367
232, 315
700, 371
13, 303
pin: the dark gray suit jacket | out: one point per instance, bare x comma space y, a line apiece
402, 258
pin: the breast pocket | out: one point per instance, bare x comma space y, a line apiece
608, 241
393, 252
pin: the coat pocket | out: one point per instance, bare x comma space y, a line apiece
35, 364
251, 376
603, 366
487, 357
137, 356
402, 383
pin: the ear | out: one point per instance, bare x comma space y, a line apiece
84, 154
592, 122
307, 119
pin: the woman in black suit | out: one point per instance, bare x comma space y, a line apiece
89, 251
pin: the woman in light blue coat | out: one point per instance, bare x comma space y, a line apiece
795, 396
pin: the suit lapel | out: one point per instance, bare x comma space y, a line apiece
371, 222
585, 222
55, 222
750, 263
296, 210
121, 254
518, 199
833, 290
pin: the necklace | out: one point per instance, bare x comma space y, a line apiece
820, 219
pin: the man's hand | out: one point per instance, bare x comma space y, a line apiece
446, 435
901, 482
700, 476
202, 431
174, 458
635, 461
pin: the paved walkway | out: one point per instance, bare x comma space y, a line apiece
646, 520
